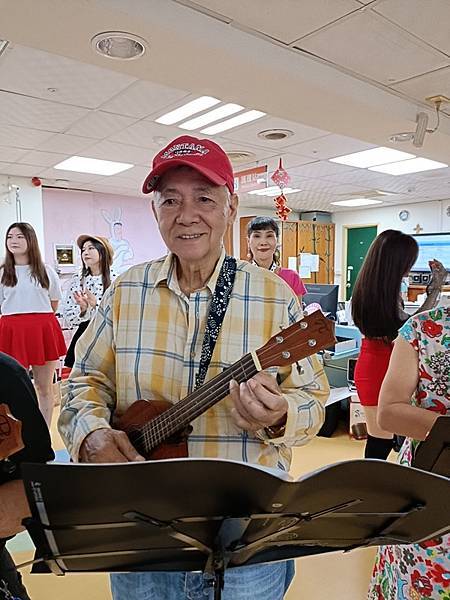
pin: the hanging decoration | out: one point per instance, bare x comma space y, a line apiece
281, 179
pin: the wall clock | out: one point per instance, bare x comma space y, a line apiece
403, 215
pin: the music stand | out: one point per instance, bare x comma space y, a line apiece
434, 453
208, 515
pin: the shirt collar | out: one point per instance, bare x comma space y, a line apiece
168, 273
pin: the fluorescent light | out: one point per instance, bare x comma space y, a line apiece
214, 115
191, 108
274, 189
371, 158
409, 166
92, 165
357, 202
246, 117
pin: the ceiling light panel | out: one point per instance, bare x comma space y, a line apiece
246, 117
191, 108
415, 165
357, 202
371, 158
214, 115
95, 166
274, 190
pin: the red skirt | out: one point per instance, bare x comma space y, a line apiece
370, 370
32, 338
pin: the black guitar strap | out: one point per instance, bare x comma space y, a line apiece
216, 314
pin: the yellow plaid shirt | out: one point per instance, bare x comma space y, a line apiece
147, 338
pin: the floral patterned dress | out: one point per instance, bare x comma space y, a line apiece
420, 571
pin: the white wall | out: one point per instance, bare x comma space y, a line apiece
431, 216
30, 203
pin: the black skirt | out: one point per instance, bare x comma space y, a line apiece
70, 356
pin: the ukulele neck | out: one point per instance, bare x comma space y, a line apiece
195, 404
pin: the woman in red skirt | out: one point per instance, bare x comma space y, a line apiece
377, 312
29, 296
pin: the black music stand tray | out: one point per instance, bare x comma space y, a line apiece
434, 453
208, 515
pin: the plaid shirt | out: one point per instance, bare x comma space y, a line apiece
146, 340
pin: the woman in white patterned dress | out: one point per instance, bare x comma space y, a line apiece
87, 287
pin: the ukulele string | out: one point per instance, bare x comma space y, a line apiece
166, 423
162, 425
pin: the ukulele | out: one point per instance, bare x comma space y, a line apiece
159, 429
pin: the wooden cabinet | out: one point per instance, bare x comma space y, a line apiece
416, 290
243, 245
317, 238
313, 238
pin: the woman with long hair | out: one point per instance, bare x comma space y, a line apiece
29, 295
378, 313
262, 237
87, 287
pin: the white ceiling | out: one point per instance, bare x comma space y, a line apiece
340, 74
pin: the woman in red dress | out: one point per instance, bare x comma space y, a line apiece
378, 313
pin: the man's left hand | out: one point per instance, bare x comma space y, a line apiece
258, 403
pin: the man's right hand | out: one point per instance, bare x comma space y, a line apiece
108, 446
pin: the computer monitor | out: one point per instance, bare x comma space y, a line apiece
325, 294
432, 245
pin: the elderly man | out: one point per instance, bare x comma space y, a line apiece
148, 341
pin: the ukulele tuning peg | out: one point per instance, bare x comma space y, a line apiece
312, 343
303, 324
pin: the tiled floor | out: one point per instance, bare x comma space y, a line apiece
334, 576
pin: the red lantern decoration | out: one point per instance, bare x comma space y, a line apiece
283, 209
281, 179
36, 181
281, 176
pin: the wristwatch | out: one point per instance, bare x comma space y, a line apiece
276, 431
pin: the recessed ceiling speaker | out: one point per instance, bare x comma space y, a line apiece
241, 156
274, 135
119, 45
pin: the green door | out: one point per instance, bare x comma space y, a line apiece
358, 242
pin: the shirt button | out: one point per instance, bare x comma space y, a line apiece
192, 354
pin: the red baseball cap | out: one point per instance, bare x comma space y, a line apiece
205, 156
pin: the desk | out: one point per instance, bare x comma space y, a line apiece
337, 394
416, 290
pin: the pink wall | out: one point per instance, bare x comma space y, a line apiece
67, 214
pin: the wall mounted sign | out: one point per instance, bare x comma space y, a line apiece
250, 179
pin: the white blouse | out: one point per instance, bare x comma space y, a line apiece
70, 309
28, 296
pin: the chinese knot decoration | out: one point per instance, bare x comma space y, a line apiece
281, 179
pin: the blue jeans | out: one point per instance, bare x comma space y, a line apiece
269, 581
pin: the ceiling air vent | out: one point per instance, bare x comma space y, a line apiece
275, 135
240, 156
